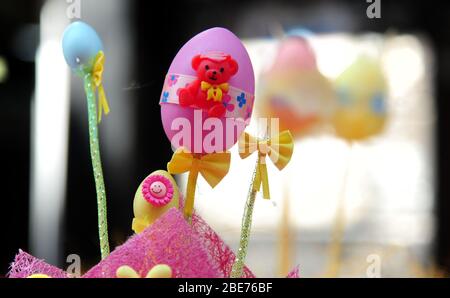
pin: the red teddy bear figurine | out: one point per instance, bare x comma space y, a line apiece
206, 92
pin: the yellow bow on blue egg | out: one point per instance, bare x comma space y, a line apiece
97, 76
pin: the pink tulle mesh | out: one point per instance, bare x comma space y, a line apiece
295, 273
170, 240
195, 251
208, 254
221, 254
25, 265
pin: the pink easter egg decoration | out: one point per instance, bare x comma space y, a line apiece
294, 53
293, 90
192, 127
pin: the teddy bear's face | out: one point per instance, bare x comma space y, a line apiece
214, 72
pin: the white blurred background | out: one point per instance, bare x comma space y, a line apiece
389, 191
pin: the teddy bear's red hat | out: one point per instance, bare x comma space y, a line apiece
216, 56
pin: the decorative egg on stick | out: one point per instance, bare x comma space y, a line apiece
293, 90
360, 113
83, 51
154, 196
361, 93
206, 103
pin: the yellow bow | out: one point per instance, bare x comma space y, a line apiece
213, 167
279, 149
214, 91
97, 75
38, 275
158, 271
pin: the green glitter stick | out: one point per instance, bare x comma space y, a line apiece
83, 52
279, 148
246, 226
89, 88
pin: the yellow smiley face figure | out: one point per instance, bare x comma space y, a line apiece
154, 196
360, 111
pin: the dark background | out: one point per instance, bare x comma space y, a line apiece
162, 27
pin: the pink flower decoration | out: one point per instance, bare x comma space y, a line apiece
226, 102
157, 190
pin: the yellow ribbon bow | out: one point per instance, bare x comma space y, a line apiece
214, 91
97, 75
158, 271
279, 149
38, 275
213, 167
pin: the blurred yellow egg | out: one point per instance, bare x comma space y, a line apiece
361, 91
157, 193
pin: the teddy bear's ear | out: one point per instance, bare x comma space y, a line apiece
196, 61
233, 66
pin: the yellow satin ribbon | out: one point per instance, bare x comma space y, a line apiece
97, 76
279, 149
214, 91
213, 167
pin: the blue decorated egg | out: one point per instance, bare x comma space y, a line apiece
81, 44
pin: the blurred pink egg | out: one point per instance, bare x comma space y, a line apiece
293, 90
211, 40
294, 53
